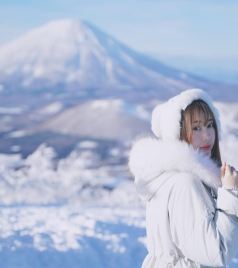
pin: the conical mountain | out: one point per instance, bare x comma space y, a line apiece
73, 54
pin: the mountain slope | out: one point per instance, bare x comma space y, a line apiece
101, 119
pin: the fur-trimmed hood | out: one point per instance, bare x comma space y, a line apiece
150, 158
165, 121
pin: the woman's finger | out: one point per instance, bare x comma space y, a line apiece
228, 170
223, 169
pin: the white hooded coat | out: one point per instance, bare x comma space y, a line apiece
191, 220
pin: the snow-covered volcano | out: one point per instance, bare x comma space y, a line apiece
77, 55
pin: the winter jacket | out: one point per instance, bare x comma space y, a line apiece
191, 221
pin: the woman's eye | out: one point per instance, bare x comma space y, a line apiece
196, 128
210, 125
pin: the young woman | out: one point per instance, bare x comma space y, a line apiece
192, 201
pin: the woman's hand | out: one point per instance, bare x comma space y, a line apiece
229, 176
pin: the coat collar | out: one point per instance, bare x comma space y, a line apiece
150, 158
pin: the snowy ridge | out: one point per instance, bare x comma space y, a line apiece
104, 119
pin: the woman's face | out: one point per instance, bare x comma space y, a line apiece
203, 134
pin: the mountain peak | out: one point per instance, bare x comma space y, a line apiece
64, 48
55, 28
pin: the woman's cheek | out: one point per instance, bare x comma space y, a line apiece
212, 133
195, 140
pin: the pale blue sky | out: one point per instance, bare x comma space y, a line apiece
179, 29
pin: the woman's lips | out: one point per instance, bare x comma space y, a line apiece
205, 147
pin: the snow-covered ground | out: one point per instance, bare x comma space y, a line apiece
72, 236
81, 210
71, 212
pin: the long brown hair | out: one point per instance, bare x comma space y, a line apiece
187, 117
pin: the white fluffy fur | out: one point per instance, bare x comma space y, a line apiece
166, 117
150, 157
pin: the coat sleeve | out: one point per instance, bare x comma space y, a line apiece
204, 231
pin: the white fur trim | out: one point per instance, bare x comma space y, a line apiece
150, 158
165, 122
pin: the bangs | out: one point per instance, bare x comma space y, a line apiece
197, 108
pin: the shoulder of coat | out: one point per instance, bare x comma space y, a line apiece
186, 179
